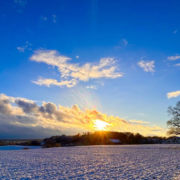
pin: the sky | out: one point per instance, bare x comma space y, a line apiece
67, 65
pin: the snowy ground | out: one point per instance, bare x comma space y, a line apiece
92, 162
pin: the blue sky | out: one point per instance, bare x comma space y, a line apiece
120, 58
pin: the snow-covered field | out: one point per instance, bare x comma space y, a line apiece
92, 162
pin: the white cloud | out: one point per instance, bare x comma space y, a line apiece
172, 58
125, 42
47, 82
148, 66
105, 68
173, 94
177, 64
138, 121
77, 57
23, 48
175, 31
13, 99
91, 87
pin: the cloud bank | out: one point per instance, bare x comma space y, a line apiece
20, 118
72, 73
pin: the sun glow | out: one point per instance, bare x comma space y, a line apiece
100, 125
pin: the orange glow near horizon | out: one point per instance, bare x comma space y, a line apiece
100, 125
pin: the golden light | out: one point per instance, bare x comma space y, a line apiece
100, 125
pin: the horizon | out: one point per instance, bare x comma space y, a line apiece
73, 67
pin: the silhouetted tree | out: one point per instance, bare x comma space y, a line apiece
174, 122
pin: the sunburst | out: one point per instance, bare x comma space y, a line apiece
100, 125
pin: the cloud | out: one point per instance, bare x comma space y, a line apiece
27, 107
148, 66
77, 57
21, 2
54, 18
44, 18
140, 114
175, 31
91, 87
23, 48
13, 99
100, 82
172, 58
5, 107
48, 82
24, 127
24, 118
75, 72
138, 121
173, 94
177, 64
125, 42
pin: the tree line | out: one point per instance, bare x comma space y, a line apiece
102, 138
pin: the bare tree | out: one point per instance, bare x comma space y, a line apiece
174, 122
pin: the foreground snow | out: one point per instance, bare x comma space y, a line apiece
92, 162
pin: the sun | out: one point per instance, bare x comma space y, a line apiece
100, 125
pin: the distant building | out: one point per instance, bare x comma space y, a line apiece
115, 141
173, 140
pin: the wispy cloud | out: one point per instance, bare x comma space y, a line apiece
173, 94
177, 64
77, 57
175, 31
140, 114
54, 18
44, 18
23, 48
21, 2
172, 58
48, 82
138, 121
148, 66
121, 44
105, 68
101, 83
91, 87
125, 42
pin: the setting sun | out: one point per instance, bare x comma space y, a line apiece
100, 125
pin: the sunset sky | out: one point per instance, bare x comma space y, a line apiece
72, 66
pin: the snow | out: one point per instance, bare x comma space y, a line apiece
124, 162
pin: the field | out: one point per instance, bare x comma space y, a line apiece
92, 162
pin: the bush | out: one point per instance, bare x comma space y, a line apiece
51, 143
26, 148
